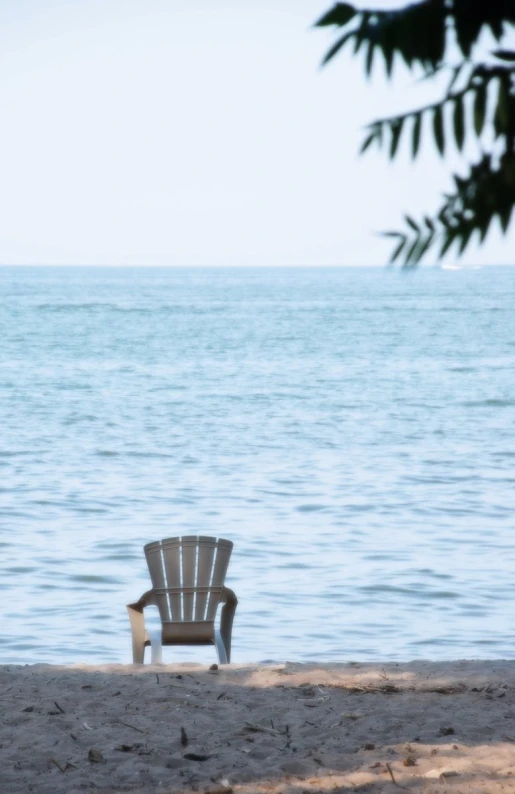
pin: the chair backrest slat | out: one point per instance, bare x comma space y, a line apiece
157, 574
156, 568
171, 554
220, 564
189, 571
207, 547
188, 575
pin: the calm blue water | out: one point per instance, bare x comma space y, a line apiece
353, 431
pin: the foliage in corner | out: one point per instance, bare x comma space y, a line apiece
479, 101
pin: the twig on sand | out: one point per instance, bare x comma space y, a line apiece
388, 689
458, 689
389, 768
249, 726
58, 765
128, 725
385, 689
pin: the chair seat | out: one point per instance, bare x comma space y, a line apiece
194, 632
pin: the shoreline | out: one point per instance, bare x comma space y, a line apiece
289, 728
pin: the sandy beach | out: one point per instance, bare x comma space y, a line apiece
292, 728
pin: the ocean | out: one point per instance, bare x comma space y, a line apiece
351, 430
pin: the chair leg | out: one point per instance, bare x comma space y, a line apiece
220, 648
156, 647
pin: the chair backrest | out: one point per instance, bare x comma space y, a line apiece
188, 575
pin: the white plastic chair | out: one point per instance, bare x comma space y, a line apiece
188, 575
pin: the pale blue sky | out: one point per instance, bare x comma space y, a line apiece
197, 133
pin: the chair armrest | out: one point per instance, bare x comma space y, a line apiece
228, 597
140, 637
147, 599
230, 602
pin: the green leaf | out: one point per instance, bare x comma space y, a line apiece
480, 109
455, 74
430, 224
505, 55
438, 128
459, 129
339, 15
422, 248
443, 217
504, 216
496, 27
448, 241
468, 20
368, 140
337, 47
460, 183
361, 32
397, 252
395, 131
483, 229
370, 58
502, 109
412, 223
408, 259
466, 234
417, 126
388, 58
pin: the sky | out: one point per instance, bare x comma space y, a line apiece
198, 132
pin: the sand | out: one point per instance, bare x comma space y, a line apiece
292, 728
